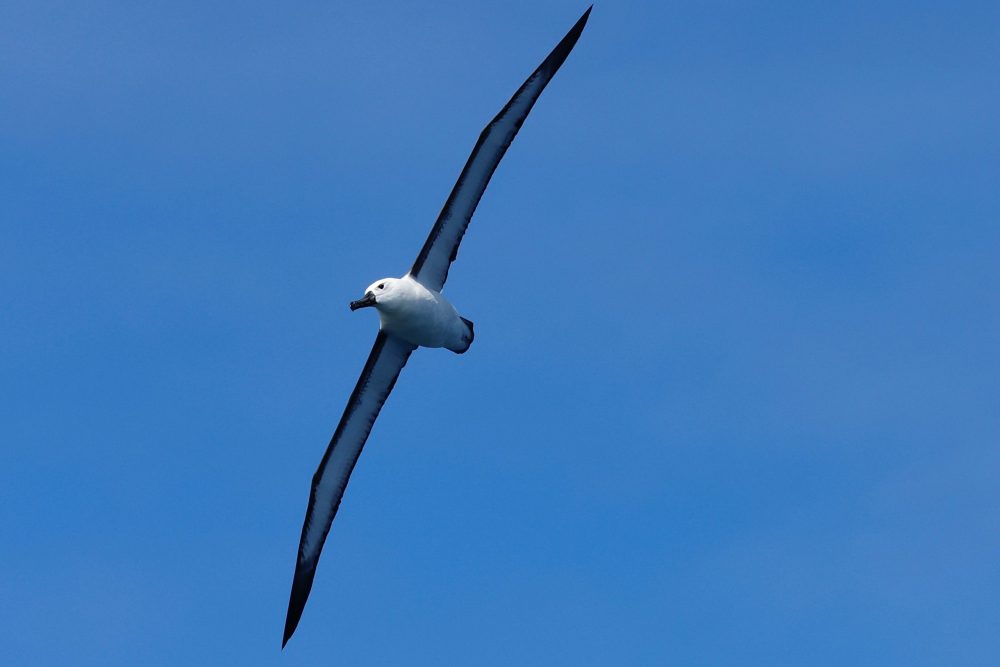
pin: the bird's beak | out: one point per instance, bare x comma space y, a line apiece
368, 300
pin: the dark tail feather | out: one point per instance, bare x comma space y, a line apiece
472, 335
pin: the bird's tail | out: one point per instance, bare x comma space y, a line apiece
468, 338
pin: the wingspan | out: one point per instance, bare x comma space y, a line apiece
441, 247
387, 358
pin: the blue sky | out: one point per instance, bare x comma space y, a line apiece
734, 393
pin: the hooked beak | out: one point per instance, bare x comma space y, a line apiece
368, 300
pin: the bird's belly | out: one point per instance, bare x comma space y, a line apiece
421, 331
428, 325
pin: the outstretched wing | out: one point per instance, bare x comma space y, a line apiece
441, 247
387, 358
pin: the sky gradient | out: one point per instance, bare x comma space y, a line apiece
734, 392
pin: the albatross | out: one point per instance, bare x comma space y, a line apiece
412, 313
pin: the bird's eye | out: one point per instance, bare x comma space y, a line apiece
381, 286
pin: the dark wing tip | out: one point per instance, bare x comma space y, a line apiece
301, 585
558, 55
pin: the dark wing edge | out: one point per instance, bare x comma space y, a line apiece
387, 358
441, 246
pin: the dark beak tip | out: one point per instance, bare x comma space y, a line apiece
368, 300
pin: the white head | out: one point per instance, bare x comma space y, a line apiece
379, 293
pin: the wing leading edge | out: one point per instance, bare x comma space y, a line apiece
387, 358
441, 247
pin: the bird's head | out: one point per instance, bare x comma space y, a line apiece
379, 293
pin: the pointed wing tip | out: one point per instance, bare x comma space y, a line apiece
580, 22
301, 585
291, 622
566, 44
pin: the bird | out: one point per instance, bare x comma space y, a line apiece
412, 313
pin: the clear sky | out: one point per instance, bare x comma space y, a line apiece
734, 392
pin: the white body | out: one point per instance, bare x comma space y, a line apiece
418, 315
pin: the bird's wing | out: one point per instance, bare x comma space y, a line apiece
441, 247
387, 358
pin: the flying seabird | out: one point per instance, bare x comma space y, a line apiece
412, 314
